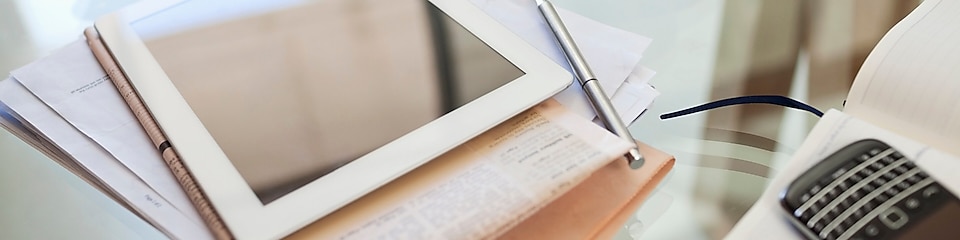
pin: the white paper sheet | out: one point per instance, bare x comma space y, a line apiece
99, 162
635, 95
613, 54
13, 124
909, 82
72, 83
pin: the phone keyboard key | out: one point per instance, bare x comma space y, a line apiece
889, 175
879, 182
888, 160
815, 189
871, 231
914, 179
846, 203
832, 193
912, 203
847, 223
859, 213
930, 192
892, 191
855, 195
856, 177
818, 227
844, 185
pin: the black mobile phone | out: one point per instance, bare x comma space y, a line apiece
869, 190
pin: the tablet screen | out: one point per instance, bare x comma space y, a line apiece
292, 90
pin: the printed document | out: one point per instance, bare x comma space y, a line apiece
84, 96
484, 187
92, 157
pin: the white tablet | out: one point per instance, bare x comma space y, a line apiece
285, 111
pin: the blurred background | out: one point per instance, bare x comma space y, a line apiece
703, 50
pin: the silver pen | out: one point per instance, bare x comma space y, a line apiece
601, 103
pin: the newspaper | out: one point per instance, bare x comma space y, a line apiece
484, 187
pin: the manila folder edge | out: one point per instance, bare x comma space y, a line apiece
598, 207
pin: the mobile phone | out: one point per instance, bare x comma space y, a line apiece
869, 190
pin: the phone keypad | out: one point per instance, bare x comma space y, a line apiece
867, 197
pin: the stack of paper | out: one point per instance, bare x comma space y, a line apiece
65, 106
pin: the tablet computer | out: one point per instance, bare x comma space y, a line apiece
287, 110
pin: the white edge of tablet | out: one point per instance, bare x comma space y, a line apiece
233, 198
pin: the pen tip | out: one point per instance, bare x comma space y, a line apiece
539, 2
634, 159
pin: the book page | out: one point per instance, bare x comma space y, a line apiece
909, 82
484, 187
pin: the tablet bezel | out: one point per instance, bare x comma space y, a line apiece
232, 197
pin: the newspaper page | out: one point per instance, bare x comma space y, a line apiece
483, 187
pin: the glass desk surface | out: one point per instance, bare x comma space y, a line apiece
702, 51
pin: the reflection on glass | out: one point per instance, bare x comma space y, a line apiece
293, 90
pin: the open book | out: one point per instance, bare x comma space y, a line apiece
906, 94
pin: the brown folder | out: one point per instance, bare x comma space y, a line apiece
600, 205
